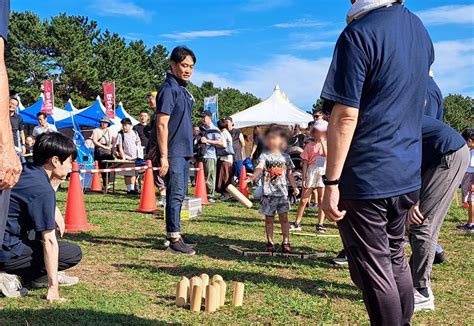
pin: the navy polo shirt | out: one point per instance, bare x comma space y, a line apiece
434, 101
381, 67
175, 100
4, 17
439, 140
32, 207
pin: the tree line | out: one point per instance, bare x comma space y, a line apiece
78, 56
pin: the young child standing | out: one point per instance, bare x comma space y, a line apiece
314, 167
276, 167
467, 185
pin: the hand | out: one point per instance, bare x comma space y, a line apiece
204, 140
53, 294
250, 178
60, 225
415, 216
10, 167
330, 203
296, 191
305, 184
164, 166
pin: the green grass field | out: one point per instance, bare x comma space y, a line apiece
127, 278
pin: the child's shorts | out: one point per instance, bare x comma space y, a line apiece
466, 188
271, 205
314, 176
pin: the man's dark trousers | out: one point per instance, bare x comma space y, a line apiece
373, 235
30, 265
4, 204
176, 186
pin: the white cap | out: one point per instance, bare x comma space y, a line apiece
321, 125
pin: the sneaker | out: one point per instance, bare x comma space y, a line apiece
295, 227
270, 247
11, 286
440, 257
133, 192
320, 229
63, 280
341, 258
211, 199
423, 303
286, 248
162, 201
466, 227
180, 248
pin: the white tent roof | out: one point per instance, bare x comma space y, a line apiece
276, 109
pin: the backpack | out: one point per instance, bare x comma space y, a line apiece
200, 149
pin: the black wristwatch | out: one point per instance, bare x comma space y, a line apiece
328, 182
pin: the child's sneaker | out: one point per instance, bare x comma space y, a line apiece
466, 227
295, 227
320, 228
286, 248
270, 247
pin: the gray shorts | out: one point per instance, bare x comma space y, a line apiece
466, 187
271, 205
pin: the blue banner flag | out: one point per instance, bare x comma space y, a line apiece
85, 155
212, 104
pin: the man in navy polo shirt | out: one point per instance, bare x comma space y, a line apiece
33, 209
174, 130
378, 82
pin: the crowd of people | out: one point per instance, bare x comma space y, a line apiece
376, 158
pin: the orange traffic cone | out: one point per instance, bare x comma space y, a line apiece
243, 186
76, 219
148, 198
96, 185
200, 190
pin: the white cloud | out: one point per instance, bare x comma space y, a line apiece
300, 23
264, 5
184, 36
120, 8
454, 14
454, 66
313, 45
300, 79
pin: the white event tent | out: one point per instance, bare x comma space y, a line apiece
276, 109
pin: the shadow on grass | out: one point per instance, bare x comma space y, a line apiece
58, 316
312, 287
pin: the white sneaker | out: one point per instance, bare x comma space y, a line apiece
423, 303
11, 287
63, 280
341, 261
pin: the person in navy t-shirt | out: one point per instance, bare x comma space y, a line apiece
174, 150
378, 82
33, 212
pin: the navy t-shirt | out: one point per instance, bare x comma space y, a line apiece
32, 207
439, 140
381, 67
175, 100
434, 101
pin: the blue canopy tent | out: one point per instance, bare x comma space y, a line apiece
90, 117
69, 106
122, 114
29, 114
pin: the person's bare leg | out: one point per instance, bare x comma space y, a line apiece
315, 196
320, 211
269, 228
285, 227
470, 213
305, 198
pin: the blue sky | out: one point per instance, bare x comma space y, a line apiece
253, 45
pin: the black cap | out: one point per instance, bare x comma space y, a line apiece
229, 118
206, 113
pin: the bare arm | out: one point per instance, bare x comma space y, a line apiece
22, 136
257, 172
51, 256
10, 166
121, 152
162, 133
242, 144
341, 130
96, 140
